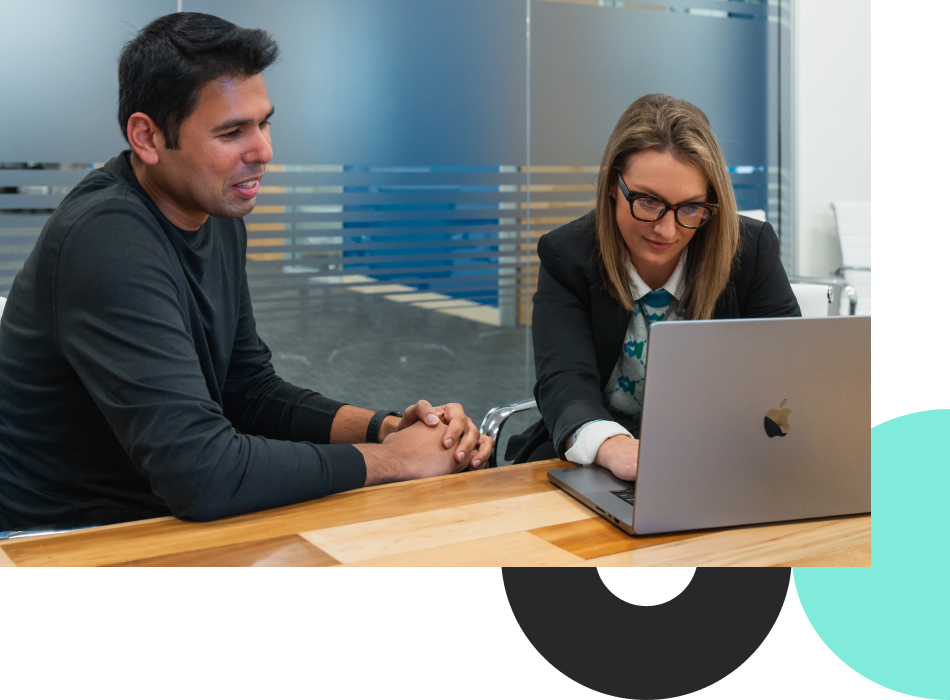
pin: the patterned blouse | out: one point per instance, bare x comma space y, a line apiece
623, 393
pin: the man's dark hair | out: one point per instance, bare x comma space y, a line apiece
162, 70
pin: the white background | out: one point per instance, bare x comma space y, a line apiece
440, 633
450, 633
831, 121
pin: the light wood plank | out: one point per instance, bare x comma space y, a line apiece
382, 289
380, 538
417, 296
131, 541
559, 188
444, 303
859, 555
765, 545
480, 313
595, 537
513, 549
290, 550
4, 559
537, 220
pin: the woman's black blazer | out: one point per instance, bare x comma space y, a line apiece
578, 328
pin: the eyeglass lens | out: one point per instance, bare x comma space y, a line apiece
688, 215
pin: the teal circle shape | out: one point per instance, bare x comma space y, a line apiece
890, 622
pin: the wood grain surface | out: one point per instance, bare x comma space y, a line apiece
510, 516
846, 555
290, 550
131, 541
760, 545
407, 533
595, 537
512, 549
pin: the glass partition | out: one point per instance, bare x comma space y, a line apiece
421, 148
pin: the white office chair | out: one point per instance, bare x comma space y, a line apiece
814, 297
815, 300
853, 221
820, 296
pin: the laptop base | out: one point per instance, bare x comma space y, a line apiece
593, 486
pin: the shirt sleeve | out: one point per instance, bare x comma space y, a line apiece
258, 402
120, 323
583, 444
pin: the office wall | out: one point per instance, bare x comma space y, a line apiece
831, 114
403, 120
58, 95
409, 185
589, 63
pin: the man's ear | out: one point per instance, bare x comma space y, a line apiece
145, 138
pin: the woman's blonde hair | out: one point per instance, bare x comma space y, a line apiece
668, 125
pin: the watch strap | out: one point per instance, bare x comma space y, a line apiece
375, 423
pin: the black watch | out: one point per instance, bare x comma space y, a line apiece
375, 423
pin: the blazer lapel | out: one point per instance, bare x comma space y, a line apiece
609, 321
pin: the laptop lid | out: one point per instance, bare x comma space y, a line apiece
754, 420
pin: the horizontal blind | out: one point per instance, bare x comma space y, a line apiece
450, 238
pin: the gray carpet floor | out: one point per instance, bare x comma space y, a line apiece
376, 353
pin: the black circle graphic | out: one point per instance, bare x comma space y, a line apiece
660, 651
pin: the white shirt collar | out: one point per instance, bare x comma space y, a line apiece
675, 285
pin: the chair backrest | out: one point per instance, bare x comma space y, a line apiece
853, 220
3, 302
757, 214
813, 299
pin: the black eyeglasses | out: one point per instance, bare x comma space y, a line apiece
649, 207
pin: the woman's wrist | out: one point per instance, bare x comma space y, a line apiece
589, 439
621, 455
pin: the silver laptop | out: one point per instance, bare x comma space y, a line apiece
744, 421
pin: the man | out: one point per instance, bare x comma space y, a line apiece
133, 383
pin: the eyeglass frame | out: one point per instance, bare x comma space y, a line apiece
630, 196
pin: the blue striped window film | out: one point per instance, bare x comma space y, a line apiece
432, 94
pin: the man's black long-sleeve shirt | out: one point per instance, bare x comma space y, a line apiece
133, 382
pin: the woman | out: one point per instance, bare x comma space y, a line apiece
665, 242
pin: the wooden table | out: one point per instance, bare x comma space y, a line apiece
510, 516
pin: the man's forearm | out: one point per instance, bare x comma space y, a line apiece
413, 453
350, 424
383, 464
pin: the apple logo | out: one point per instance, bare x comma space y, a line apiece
776, 421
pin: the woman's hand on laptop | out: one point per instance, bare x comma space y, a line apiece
620, 454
